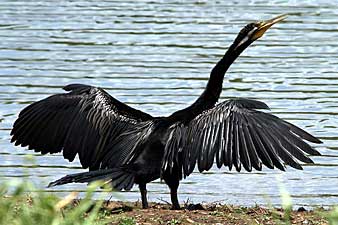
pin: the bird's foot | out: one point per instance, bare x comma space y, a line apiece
176, 207
192, 207
145, 205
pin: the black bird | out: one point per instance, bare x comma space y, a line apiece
125, 146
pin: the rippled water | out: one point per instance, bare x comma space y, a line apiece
156, 56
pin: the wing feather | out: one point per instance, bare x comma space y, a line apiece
254, 158
234, 133
261, 150
243, 150
82, 122
219, 145
236, 147
228, 144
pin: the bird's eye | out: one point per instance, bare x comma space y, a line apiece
258, 24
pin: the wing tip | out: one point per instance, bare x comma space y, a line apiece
317, 141
13, 139
309, 137
316, 153
302, 133
298, 167
51, 184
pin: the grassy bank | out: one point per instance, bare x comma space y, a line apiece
19, 205
213, 214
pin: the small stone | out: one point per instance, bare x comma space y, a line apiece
190, 220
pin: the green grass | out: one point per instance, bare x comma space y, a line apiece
19, 208
333, 216
127, 221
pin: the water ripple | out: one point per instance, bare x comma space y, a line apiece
156, 56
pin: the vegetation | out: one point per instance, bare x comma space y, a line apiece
21, 208
21, 204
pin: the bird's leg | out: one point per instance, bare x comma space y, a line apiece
172, 179
173, 185
174, 199
143, 190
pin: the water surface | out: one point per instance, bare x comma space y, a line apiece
156, 56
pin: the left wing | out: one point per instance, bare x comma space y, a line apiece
235, 134
87, 122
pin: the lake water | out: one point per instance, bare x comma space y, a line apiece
156, 56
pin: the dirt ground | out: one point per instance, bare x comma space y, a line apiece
131, 213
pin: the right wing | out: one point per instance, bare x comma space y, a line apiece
84, 121
234, 133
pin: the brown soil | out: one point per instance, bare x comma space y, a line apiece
131, 213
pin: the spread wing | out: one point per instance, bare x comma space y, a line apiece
233, 133
84, 121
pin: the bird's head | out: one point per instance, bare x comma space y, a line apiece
253, 31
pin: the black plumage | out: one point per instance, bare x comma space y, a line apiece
126, 146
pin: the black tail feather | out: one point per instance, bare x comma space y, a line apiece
117, 177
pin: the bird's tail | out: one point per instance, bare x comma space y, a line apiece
118, 177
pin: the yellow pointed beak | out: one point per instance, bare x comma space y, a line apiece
265, 25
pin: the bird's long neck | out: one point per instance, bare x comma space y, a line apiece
214, 86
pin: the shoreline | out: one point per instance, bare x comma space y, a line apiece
215, 213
